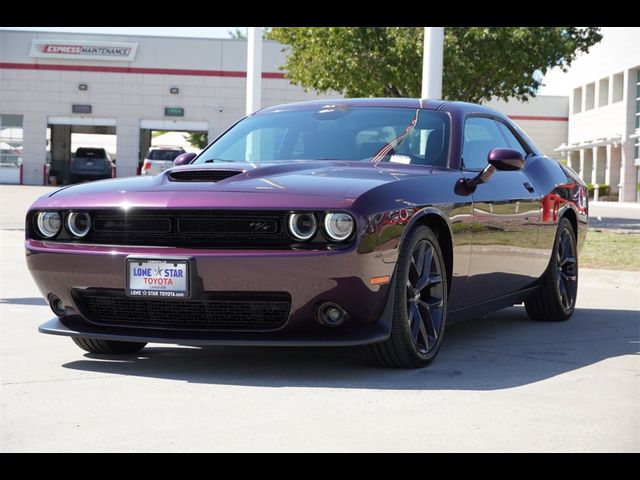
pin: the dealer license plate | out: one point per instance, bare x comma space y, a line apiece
157, 278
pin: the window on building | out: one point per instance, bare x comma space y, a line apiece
618, 83
590, 96
10, 148
603, 92
577, 100
10, 140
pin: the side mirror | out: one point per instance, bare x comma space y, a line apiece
506, 159
183, 159
503, 159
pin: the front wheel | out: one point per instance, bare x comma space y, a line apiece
420, 304
108, 347
555, 300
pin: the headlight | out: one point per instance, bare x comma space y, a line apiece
302, 226
78, 224
49, 223
338, 226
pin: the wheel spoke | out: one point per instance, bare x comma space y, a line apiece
417, 259
563, 293
567, 291
568, 261
428, 316
414, 319
425, 336
428, 281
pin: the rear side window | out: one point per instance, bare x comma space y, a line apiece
91, 153
164, 154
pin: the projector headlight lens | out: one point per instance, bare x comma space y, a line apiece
302, 226
338, 226
49, 223
78, 224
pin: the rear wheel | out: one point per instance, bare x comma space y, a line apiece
556, 298
420, 304
108, 347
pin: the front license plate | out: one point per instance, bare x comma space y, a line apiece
157, 278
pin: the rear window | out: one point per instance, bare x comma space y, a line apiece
91, 153
163, 154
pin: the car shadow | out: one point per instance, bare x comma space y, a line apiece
24, 301
501, 350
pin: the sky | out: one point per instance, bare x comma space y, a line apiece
202, 32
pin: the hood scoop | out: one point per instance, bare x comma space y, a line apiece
202, 175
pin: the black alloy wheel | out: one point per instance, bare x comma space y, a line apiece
420, 304
556, 298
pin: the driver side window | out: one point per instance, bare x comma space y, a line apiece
481, 135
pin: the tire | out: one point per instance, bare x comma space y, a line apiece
555, 300
107, 347
419, 304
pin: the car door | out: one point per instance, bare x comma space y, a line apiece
506, 215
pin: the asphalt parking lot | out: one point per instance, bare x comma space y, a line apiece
501, 383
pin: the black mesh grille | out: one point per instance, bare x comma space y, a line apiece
233, 311
227, 225
189, 228
202, 175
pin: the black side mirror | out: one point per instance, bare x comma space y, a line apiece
183, 159
503, 159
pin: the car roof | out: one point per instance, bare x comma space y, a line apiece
165, 147
429, 104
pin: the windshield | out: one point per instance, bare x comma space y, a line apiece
399, 135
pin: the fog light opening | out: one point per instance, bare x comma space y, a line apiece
57, 306
331, 314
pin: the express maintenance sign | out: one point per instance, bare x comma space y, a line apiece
83, 50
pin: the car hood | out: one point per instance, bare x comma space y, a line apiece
303, 184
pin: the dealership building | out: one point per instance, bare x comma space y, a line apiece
55, 85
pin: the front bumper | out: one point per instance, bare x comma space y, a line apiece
309, 277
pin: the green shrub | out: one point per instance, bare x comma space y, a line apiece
604, 190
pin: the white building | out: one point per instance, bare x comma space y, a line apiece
122, 85
604, 112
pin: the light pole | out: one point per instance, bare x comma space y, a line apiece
432, 62
254, 69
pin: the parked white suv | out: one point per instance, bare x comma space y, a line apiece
158, 159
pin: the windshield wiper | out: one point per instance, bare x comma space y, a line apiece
213, 160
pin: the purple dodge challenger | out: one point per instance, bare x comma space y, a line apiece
346, 222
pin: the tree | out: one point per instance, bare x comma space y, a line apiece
198, 139
479, 62
238, 34
243, 33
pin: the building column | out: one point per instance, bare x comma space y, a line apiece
570, 159
628, 175
628, 170
60, 153
599, 165
127, 146
586, 164
34, 149
612, 176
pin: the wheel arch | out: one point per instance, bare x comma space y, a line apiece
438, 222
570, 215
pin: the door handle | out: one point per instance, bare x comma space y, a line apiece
529, 187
